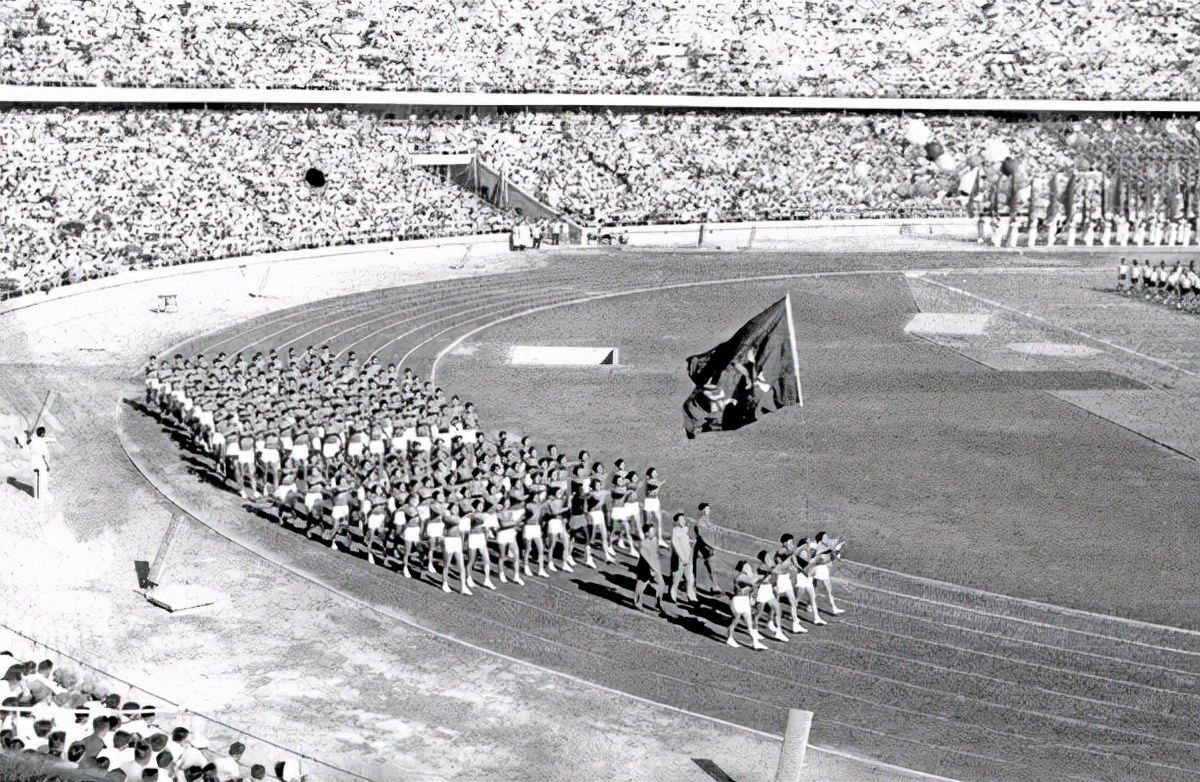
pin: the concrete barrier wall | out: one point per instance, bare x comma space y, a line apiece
733, 235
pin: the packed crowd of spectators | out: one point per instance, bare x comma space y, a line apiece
60, 721
978, 48
84, 193
370, 458
88, 192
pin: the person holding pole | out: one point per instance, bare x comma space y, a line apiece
39, 458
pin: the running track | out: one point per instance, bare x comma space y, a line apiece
919, 674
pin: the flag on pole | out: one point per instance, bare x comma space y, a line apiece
753, 373
1069, 198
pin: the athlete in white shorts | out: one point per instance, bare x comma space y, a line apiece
741, 605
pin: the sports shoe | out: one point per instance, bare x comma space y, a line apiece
798, 628
406, 573
759, 645
528, 572
487, 582
835, 610
772, 627
542, 573
446, 587
730, 642
551, 568
471, 581
503, 578
589, 562
779, 636
567, 567
819, 621
466, 590
517, 578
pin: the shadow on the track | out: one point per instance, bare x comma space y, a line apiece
18, 484
712, 769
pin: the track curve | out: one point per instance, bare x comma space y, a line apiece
919, 674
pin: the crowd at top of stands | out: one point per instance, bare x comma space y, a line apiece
970, 48
86, 192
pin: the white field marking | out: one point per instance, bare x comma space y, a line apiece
1048, 322
1053, 349
834, 666
953, 323
355, 309
492, 308
1026, 663
289, 313
389, 325
558, 355
1035, 623
1027, 642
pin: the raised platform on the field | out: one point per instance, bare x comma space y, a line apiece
562, 355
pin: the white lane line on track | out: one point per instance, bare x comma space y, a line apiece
808, 661
1013, 660
1065, 630
1068, 329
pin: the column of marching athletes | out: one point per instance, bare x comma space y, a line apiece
370, 457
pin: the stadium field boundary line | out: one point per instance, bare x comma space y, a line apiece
403, 618
1013, 310
813, 275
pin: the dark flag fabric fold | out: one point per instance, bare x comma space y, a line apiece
751, 374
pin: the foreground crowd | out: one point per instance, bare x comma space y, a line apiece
53, 715
1177, 286
1141, 49
371, 458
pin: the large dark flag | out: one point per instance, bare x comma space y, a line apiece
753, 373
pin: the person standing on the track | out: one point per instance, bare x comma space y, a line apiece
682, 566
702, 552
649, 571
39, 460
826, 550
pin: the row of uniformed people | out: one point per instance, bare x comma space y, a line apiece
1179, 284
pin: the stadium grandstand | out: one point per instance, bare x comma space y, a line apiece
375, 460
93, 191
1068, 49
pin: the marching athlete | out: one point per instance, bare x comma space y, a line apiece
745, 584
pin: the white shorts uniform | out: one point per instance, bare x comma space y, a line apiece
477, 541
821, 573
453, 544
741, 604
765, 593
411, 534
532, 531
596, 517
506, 537
651, 505
555, 526
435, 530
340, 512
270, 456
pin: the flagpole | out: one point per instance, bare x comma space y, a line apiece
792, 339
